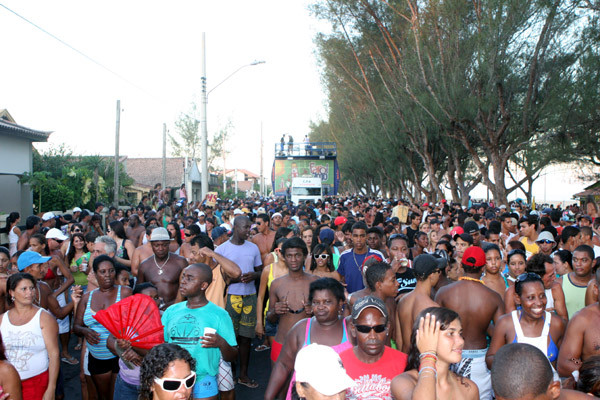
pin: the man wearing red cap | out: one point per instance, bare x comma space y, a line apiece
477, 306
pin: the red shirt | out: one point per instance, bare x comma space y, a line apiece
373, 380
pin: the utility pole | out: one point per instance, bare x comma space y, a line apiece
116, 176
164, 157
262, 186
203, 127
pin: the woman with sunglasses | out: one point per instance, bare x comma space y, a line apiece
322, 263
542, 265
436, 343
125, 247
167, 373
531, 323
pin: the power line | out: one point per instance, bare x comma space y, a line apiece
75, 50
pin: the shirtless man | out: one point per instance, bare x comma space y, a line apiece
288, 296
135, 231
265, 237
582, 338
142, 252
276, 220
163, 268
478, 306
32, 226
427, 270
189, 233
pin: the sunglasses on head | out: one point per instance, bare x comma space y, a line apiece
323, 256
173, 384
527, 276
367, 328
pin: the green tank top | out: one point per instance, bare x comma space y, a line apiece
574, 295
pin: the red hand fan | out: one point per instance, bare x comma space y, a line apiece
136, 319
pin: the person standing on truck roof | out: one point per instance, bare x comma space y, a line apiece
290, 144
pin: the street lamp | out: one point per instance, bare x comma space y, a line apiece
203, 125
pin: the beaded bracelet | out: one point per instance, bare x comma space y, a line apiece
426, 368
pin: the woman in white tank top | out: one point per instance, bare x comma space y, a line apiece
13, 231
30, 336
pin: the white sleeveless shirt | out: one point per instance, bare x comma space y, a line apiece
25, 347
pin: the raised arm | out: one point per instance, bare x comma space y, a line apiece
62, 266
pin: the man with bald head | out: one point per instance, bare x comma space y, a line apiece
202, 328
241, 296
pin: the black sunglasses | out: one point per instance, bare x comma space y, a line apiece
545, 241
367, 328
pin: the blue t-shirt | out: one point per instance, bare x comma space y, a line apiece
185, 326
246, 256
349, 268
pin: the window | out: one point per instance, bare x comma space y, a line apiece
306, 191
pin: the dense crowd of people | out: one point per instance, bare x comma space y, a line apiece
354, 297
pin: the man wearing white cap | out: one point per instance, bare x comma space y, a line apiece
163, 268
48, 220
320, 372
201, 221
546, 242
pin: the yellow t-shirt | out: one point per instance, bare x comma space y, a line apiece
530, 249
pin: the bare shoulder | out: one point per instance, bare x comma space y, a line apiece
126, 291
403, 385
47, 318
466, 387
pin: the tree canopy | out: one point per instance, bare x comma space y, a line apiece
427, 95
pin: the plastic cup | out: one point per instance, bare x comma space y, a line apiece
209, 330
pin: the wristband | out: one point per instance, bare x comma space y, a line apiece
424, 369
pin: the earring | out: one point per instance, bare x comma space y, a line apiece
13, 298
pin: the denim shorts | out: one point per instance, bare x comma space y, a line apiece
270, 329
206, 387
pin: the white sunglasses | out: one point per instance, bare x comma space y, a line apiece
173, 384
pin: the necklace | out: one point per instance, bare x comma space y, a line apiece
466, 278
160, 268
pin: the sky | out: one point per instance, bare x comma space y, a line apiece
154, 52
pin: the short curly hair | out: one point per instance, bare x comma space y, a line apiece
156, 363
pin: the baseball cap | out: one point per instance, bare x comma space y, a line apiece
474, 257
366, 302
457, 231
340, 221
586, 217
326, 236
464, 236
321, 367
470, 227
48, 216
159, 234
237, 211
57, 234
76, 209
218, 232
425, 264
28, 258
502, 207
395, 220
245, 210
201, 214
545, 235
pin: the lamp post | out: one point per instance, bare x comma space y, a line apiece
203, 125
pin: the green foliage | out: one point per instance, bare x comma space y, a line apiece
61, 180
424, 95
